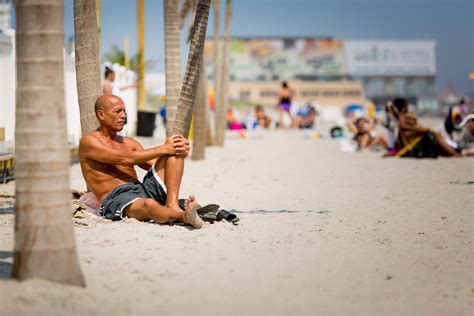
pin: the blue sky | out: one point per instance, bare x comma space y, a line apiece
449, 22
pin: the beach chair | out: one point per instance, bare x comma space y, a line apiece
407, 145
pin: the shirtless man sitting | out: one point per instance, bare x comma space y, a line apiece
107, 163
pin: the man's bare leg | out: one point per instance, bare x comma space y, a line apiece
170, 170
174, 169
149, 209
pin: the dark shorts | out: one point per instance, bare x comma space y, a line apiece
116, 201
285, 107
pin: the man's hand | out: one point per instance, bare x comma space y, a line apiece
177, 145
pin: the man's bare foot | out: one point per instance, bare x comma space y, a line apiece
175, 207
190, 215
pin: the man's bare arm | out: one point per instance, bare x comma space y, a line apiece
91, 147
138, 147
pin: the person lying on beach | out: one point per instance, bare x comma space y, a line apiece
410, 129
107, 163
466, 140
305, 117
232, 122
362, 128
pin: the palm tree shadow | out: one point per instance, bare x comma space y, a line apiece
7, 206
6, 210
5, 267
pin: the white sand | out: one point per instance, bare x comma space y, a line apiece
322, 232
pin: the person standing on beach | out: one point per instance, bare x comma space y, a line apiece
284, 104
107, 163
109, 87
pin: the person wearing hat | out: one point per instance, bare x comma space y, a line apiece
466, 140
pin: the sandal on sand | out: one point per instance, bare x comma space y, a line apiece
231, 218
208, 217
207, 208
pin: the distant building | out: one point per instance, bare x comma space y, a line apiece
393, 68
385, 68
330, 93
5, 14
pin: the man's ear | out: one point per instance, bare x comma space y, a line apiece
100, 114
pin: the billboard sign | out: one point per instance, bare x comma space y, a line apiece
390, 57
281, 59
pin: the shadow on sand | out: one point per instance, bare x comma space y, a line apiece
5, 267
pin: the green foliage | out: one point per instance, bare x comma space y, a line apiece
154, 102
117, 55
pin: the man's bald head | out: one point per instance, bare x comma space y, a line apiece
104, 101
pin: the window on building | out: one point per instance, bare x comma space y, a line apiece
351, 93
330, 93
244, 95
309, 93
268, 93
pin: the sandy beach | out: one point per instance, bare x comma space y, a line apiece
321, 232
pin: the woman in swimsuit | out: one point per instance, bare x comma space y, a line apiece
284, 104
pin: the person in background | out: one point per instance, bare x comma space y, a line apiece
108, 87
363, 129
232, 122
466, 140
305, 117
409, 129
262, 119
284, 104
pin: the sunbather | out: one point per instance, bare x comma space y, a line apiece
107, 163
263, 120
466, 140
232, 122
305, 118
364, 135
431, 143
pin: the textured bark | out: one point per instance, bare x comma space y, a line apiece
224, 80
87, 61
209, 135
193, 70
141, 94
200, 131
172, 61
217, 63
44, 237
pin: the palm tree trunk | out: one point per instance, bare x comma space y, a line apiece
141, 92
44, 237
87, 61
224, 80
200, 131
217, 63
193, 68
172, 61
209, 135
